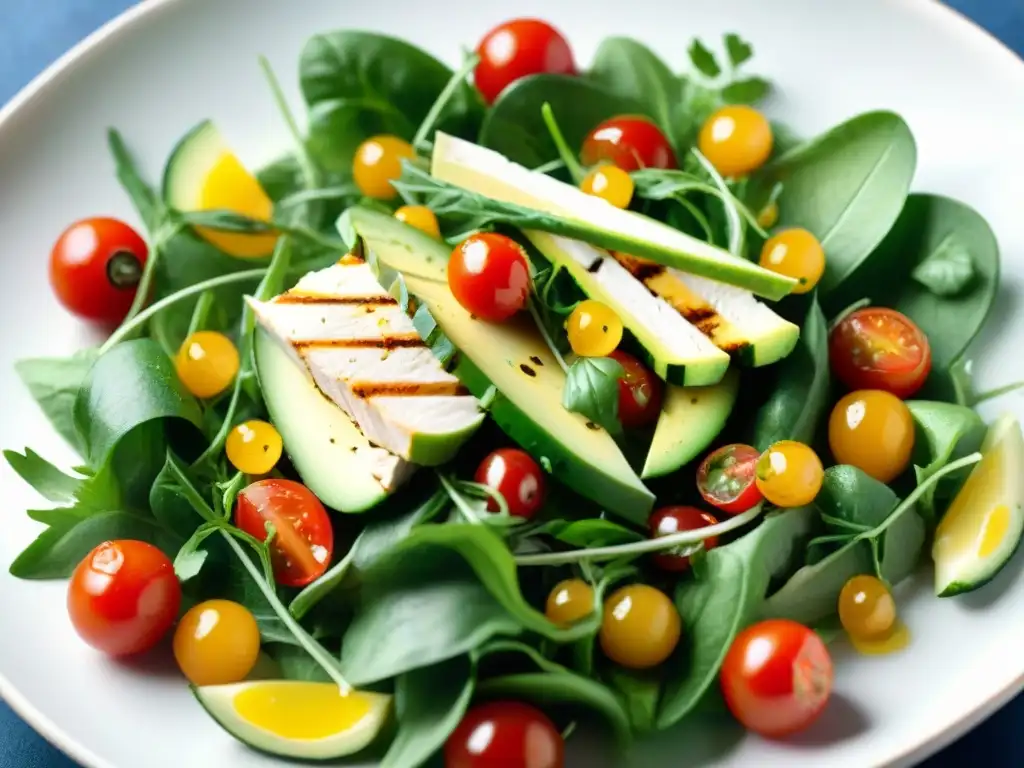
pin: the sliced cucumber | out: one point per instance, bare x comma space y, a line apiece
302, 720
330, 453
982, 527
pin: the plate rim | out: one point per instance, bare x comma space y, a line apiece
969, 31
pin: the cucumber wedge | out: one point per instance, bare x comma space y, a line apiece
982, 527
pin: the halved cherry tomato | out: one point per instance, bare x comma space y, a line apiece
777, 677
630, 142
726, 478
639, 392
505, 733
95, 268
669, 520
490, 276
123, 597
304, 538
879, 348
519, 48
516, 476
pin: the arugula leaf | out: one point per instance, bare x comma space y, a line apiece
52, 484
150, 207
130, 385
54, 383
190, 559
703, 59
595, 532
168, 501
592, 389
739, 50
429, 704
946, 271
639, 691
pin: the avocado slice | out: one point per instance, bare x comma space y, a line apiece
512, 359
593, 220
330, 453
691, 418
676, 350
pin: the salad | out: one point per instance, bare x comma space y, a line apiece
518, 396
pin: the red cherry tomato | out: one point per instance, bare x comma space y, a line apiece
304, 539
507, 734
879, 348
777, 677
517, 477
519, 48
95, 268
630, 142
123, 597
490, 276
668, 520
639, 392
726, 478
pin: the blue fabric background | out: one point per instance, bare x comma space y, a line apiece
34, 33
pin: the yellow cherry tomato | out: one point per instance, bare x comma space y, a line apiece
378, 162
254, 447
867, 610
570, 601
789, 474
736, 139
594, 329
207, 363
421, 217
640, 627
610, 183
795, 253
768, 216
217, 643
872, 430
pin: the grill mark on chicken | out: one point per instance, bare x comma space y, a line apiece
326, 299
367, 389
380, 342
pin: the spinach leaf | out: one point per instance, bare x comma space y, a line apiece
947, 270
48, 481
628, 69
639, 692
593, 532
926, 225
515, 127
359, 84
848, 187
724, 601
800, 397
132, 384
592, 389
168, 501
429, 703
944, 432
295, 664
851, 500
54, 383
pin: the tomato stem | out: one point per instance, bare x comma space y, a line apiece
642, 547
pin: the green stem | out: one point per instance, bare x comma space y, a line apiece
551, 165
146, 280
859, 304
981, 397
547, 336
201, 313
575, 169
309, 169
456, 80
217, 444
641, 547
316, 195
464, 509
135, 323
311, 646
698, 216
728, 203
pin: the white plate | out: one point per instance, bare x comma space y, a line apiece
164, 66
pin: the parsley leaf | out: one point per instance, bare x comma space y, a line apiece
704, 60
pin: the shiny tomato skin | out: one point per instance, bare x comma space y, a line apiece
640, 392
631, 142
489, 275
508, 734
517, 477
304, 540
123, 597
519, 48
95, 268
726, 478
669, 520
880, 348
777, 677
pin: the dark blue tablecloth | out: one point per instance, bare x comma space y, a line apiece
34, 32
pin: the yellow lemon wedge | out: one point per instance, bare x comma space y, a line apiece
983, 525
203, 174
303, 720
